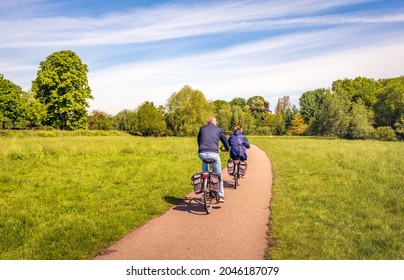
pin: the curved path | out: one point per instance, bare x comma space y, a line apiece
235, 230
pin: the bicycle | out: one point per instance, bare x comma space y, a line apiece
208, 193
236, 171
207, 183
236, 174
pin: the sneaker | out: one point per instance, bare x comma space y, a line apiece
221, 199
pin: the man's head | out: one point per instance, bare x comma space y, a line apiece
212, 120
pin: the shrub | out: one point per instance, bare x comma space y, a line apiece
264, 130
385, 133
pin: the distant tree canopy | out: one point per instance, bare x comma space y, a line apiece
62, 86
99, 120
352, 109
359, 108
355, 109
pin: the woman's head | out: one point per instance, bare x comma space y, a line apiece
238, 127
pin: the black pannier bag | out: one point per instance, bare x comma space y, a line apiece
214, 181
196, 181
242, 168
230, 166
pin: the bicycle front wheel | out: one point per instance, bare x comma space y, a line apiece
235, 176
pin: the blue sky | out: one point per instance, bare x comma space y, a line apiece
141, 51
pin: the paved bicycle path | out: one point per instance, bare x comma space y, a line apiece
234, 230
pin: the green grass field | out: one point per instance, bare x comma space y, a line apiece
336, 199
70, 197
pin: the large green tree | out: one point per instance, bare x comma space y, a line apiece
333, 117
151, 120
259, 108
12, 108
62, 86
310, 105
357, 89
390, 104
187, 110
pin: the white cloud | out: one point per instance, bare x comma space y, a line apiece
305, 45
243, 71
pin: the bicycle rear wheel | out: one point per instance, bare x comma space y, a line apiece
207, 197
208, 201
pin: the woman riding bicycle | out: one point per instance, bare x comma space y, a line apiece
208, 143
238, 143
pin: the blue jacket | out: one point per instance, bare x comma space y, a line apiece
238, 144
208, 139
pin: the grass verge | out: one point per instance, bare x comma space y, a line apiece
336, 199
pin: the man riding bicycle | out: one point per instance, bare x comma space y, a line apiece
208, 148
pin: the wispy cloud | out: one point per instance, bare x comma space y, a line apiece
270, 68
168, 22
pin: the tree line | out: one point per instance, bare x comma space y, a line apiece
360, 108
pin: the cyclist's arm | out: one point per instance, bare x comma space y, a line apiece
246, 143
224, 141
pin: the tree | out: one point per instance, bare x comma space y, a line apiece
289, 115
259, 108
150, 120
333, 116
385, 133
99, 120
11, 103
224, 117
399, 125
298, 126
219, 104
361, 123
360, 88
187, 110
283, 105
126, 120
310, 105
238, 101
276, 124
34, 110
243, 117
390, 104
62, 86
